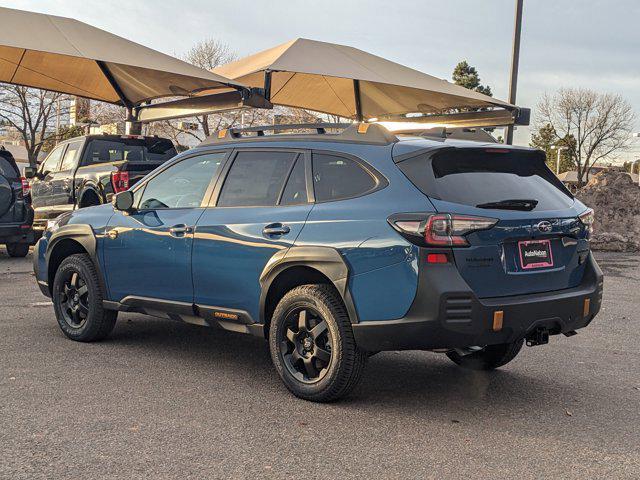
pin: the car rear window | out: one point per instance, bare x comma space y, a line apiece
479, 176
128, 149
338, 178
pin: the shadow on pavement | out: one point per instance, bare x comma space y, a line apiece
418, 381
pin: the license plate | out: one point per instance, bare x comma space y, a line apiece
535, 254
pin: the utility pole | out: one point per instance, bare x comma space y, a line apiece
57, 120
515, 60
559, 149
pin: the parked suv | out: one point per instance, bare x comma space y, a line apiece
87, 171
334, 247
16, 213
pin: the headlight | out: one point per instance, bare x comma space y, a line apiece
587, 218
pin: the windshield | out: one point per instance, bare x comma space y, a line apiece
128, 149
508, 179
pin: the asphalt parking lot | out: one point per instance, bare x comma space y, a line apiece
165, 400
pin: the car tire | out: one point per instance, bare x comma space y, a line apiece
77, 300
17, 249
489, 358
312, 344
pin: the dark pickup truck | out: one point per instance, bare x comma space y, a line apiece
88, 170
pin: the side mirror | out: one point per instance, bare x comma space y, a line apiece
123, 201
30, 172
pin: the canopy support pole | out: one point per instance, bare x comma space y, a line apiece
112, 81
267, 85
205, 104
132, 127
481, 118
356, 93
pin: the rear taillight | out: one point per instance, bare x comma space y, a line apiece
120, 181
587, 218
439, 230
26, 187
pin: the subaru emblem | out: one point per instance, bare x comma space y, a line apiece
545, 226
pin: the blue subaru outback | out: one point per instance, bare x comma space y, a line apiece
334, 246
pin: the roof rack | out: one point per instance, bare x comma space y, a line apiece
351, 132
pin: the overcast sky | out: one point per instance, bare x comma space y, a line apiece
590, 43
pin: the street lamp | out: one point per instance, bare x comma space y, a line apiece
559, 149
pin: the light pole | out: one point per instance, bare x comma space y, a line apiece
560, 150
636, 135
515, 60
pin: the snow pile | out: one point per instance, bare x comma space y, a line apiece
616, 202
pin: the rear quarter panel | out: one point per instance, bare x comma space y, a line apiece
383, 269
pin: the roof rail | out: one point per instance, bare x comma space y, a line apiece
351, 132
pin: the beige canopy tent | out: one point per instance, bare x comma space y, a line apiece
68, 56
351, 83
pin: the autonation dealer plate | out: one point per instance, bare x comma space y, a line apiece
535, 254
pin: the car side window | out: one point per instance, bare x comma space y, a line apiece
295, 191
256, 179
182, 185
70, 159
336, 178
50, 163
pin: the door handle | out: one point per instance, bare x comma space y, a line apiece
180, 230
112, 234
276, 229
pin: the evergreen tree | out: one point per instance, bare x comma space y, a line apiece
467, 76
64, 133
547, 137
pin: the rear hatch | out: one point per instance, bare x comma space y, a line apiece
13, 208
537, 242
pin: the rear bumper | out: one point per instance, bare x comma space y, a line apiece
17, 233
447, 314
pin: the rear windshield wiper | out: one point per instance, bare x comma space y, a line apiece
514, 204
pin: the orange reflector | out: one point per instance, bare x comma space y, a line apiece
497, 320
363, 127
587, 304
437, 258
222, 133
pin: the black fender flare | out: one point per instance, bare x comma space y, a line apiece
82, 234
326, 260
89, 187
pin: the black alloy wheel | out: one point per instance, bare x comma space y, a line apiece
74, 299
78, 300
312, 345
306, 345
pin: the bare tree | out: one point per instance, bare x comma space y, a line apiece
600, 124
208, 54
32, 112
104, 113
